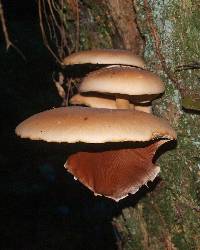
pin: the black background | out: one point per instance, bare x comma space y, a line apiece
42, 207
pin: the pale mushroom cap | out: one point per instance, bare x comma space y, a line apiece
122, 80
105, 56
94, 102
90, 125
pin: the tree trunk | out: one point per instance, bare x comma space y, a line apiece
167, 216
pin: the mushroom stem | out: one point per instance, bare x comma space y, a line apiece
122, 103
147, 109
92, 101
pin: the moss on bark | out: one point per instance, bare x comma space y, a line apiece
171, 212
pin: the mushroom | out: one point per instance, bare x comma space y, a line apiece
119, 145
143, 106
92, 101
125, 84
104, 56
103, 102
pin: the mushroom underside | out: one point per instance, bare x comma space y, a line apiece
106, 101
115, 173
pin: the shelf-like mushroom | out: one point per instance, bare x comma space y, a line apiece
122, 145
105, 102
105, 57
126, 84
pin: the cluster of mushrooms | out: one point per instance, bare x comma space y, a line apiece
119, 133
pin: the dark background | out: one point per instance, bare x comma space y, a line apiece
42, 207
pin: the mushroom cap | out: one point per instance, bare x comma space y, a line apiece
104, 56
92, 101
122, 80
91, 125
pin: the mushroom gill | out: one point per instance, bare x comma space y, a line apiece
115, 173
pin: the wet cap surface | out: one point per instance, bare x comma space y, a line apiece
93, 125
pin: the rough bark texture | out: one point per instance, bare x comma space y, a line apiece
124, 17
167, 217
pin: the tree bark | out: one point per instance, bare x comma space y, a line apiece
167, 216
124, 18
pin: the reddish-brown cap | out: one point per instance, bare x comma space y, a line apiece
115, 172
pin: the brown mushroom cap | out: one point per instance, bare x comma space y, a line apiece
80, 124
105, 56
122, 80
113, 173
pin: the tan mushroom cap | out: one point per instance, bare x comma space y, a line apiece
105, 56
90, 125
94, 102
122, 80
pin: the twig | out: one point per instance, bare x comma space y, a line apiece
6, 34
188, 67
44, 34
77, 26
48, 24
52, 14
